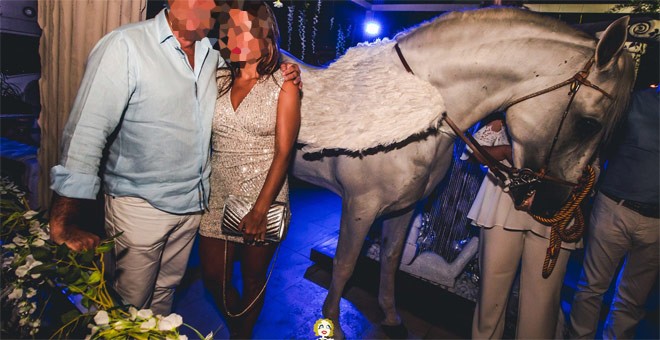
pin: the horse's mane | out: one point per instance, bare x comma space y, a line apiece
494, 14
621, 94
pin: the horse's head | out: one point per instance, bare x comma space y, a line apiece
560, 139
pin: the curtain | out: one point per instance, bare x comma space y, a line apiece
71, 28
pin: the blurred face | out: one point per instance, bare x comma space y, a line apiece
243, 37
191, 19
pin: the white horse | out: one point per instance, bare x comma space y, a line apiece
374, 134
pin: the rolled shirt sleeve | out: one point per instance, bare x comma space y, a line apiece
103, 96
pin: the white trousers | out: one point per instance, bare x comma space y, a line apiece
614, 232
151, 255
500, 253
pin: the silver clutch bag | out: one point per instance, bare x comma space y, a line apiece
236, 207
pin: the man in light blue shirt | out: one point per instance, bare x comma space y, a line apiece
148, 97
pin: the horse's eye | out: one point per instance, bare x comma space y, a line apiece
588, 126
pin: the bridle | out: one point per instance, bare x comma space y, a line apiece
513, 177
559, 223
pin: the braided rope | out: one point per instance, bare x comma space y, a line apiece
559, 222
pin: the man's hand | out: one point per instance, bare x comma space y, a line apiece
62, 231
292, 72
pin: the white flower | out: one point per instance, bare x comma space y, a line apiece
170, 322
119, 325
183, 337
29, 214
7, 261
35, 229
101, 318
133, 312
31, 292
22, 270
35, 276
15, 294
43, 235
209, 336
19, 240
38, 242
36, 323
9, 246
149, 324
145, 313
30, 263
278, 4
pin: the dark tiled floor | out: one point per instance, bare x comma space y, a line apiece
298, 287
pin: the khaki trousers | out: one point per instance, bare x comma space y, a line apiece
500, 253
615, 232
151, 255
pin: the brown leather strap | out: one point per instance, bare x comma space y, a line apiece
477, 150
496, 167
403, 60
579, 78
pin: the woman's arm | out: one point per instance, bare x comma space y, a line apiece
286, 133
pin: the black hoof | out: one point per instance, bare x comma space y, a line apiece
395, 332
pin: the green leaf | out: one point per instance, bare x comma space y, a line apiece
104, 247
84, 275
69, 316
41, 254
87, 257
94, 278
62, 251
61, 270
42, 268
78, 289
72, 275
85, 302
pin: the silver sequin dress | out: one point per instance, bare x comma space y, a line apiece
242, 149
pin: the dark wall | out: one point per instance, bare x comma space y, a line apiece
319, 37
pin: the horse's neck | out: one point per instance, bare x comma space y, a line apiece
477, 76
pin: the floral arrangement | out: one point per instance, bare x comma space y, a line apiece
33, 267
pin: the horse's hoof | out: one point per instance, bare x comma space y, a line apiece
396, 331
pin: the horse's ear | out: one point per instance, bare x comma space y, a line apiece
611, 41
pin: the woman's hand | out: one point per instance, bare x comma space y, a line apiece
253, 226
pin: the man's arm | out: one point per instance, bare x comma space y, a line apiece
103, 95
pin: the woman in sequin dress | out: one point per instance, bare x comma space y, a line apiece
255, 126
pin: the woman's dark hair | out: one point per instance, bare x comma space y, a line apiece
270, 62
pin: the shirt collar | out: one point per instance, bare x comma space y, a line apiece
164, 31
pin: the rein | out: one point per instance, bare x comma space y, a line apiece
525, 176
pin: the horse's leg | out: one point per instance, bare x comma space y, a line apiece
356, 219
393, 240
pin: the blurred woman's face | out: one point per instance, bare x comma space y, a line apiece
245, 37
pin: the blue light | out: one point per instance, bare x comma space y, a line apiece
372, 28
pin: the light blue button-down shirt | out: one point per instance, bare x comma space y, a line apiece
141, 98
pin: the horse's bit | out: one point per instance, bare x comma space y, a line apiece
524, 176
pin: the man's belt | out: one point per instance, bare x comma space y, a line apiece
644, 209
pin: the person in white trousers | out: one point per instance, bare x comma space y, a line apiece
510, 238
